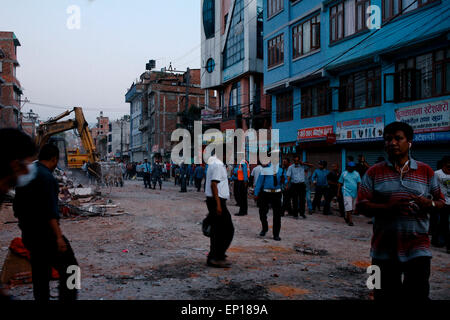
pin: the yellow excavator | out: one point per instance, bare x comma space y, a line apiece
54, 126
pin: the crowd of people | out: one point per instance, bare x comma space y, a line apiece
406, 200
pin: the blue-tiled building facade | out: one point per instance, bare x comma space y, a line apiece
336, 79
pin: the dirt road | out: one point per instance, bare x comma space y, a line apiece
157, 251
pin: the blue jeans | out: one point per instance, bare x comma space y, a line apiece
308, 199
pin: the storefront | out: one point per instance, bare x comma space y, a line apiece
431, 123
318, 143
363, 136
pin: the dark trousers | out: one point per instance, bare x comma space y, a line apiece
298, 194
322, 191
183, 184
439, 227
198, 183
415, 285
222, 229
44, 256
333, 192
287, 202
157, 179
241, 196
147, 179
274, 199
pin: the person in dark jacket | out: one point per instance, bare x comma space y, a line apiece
157, 173
36, 207
199, 174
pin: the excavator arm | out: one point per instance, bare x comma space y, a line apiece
52, 127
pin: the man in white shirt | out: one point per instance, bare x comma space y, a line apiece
255, 173
441, 233
222, 230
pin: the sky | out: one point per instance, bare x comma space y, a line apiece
93, 66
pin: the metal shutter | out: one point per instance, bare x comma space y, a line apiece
430, 155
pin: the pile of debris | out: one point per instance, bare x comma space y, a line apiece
77, 200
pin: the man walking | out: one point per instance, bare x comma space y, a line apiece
156, 174
441, 234
147, 170
319, 179
268, 192
222, 229
286, 205
349, 182
199, 173
296, 180
399, 193
183, 177
36, 207
333, 182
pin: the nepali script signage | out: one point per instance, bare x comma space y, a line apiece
426, 117
313, 134
359, 130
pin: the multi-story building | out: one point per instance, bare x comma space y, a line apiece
157, 102
100, 135
336, 80
10, 88
119, 138
232, 61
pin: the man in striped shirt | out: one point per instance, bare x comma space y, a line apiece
399, 193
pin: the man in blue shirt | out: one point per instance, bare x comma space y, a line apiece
199, 173
268, 192
146, 169
297, 186
349, 182
319, 179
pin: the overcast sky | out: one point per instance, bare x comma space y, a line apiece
94, 66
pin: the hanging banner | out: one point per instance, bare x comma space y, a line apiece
312, 134
359, 130
426, 117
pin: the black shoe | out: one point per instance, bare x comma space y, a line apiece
240, 214
262, 233
218, 263
370, 222
303, 216
351, 224
277, 238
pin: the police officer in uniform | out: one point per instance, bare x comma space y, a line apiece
240, 178
157, 172
268, 192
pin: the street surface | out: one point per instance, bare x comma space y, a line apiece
157, 251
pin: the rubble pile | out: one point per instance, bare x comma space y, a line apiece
77, 200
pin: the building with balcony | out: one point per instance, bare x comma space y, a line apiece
336, 79
158, 102
10, 88
232, 61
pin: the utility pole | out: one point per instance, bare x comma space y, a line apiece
188, 80
121, 139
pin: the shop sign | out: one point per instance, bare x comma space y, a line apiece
426, 117
312, 134
357, 130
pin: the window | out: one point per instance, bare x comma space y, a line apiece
209, 18
306, 37
210, 64
316, 100
260, 34
360, 90
275, 51
347, 18
234, 50
391, 8
285, 110
273, 7
420, 77
234, 103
